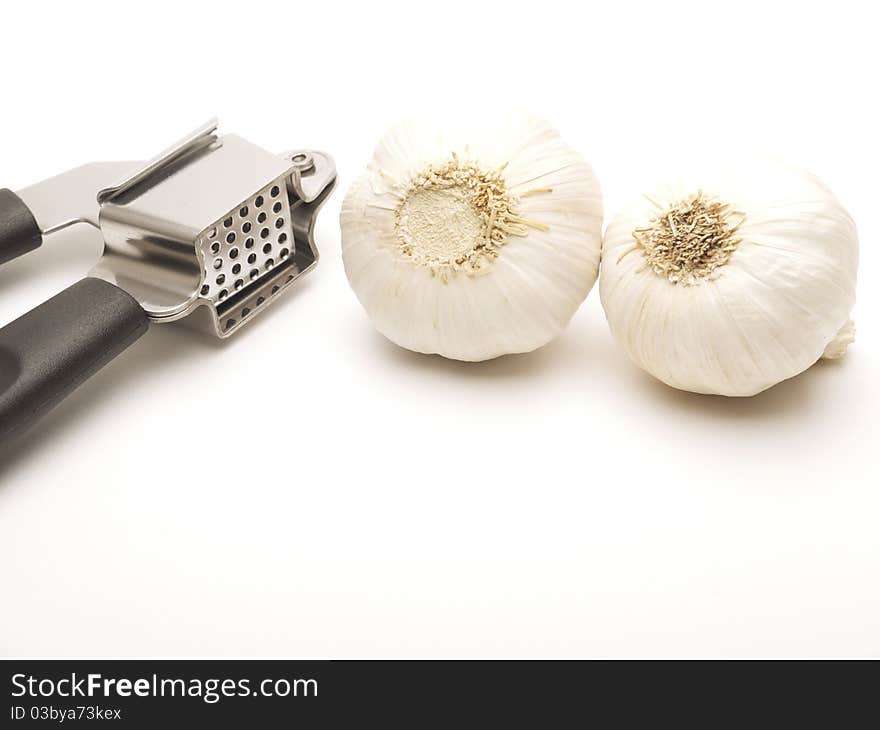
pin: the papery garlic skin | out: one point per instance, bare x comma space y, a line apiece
472, 243
779, 302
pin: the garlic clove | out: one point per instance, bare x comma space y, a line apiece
845, 337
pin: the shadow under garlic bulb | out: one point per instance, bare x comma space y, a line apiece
732, 279
472, 244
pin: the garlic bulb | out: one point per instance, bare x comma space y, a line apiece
731, 280
472, 244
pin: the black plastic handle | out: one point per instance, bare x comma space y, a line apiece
19, 232
50, 351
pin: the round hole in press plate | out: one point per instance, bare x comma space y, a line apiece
282, 237
279, 223
223, 294
252, 258
233, 253
264, 233
261, 218
243, 212
258, 201
238, 284
218, 263
284, 253
245, 312
260, 300
274, 191
230, 323
236, 269
228, 222
249, 243
270, 263
205, 289
221, 279
230, 237
277, 207
247, 227
267, 248
254, 273
215, 247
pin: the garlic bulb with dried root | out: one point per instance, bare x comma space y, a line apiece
732, 279
472, 244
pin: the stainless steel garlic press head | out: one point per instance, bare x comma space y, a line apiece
214, 226
211, 231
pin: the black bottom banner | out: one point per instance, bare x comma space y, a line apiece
412, 694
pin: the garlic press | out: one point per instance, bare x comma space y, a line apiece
210, 232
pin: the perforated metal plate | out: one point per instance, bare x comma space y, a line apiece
246, 245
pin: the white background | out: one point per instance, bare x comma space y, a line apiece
307, 489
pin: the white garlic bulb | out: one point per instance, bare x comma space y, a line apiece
475, 243
732, 279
